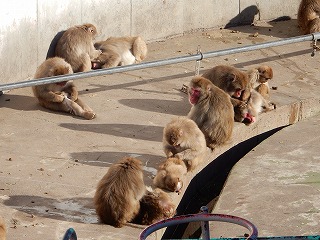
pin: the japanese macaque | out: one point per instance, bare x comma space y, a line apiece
183, 139
170, 175
62, 96
155, 205
76, 47
229, 79
118, 195
120, 51
259, 78
3, 230
249, 110
308, 16
211, 110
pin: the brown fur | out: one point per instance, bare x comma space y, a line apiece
3, 230
118, 195
308, 16
120, 51
59, 96
170, 175
259, 78
211, 110
76, 47
155, 206
228, 78
183, 139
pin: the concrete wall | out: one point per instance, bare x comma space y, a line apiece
27, 27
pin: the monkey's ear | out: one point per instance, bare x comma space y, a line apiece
209, 88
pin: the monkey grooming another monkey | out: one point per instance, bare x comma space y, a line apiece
170, 175
76, 47
183, 139
62, 96
155, 206
120, 51
118, 195
211, 110
3, 230
229, 79
308, 16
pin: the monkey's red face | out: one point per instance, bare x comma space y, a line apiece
194, 95
248, 119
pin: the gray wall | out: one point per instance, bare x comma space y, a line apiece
27, 27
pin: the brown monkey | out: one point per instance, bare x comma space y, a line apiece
76, 47
118, 195
170, 175
183, 139
155, 205
211, 110
248, 111
229, 79
62, 96
308, 16
120, 51
259, 77
3, 230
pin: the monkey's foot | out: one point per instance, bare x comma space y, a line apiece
89, 115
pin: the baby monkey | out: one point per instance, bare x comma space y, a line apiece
183, 139
155, 205
120, 51
62, 96
170, 175
259, 78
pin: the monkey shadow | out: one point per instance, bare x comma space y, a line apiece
179, 108
150, 162
106, 159
103, 88
245, 17
142, 132
52, 47
79, 210
19, 102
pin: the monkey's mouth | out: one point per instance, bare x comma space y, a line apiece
248, 119
96, 65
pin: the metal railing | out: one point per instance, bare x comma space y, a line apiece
195, 57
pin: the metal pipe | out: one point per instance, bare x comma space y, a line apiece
205, 233
195, 57
200, 217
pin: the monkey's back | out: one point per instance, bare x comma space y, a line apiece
218, 75
118, 194
73, 44
308, 11
216, 122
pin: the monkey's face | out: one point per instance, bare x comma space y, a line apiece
173, 184
236, 84
242, 114
265, 74
194, 95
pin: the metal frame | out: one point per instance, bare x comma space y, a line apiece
196, 57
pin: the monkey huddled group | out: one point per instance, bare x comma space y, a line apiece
218, 98
74, 52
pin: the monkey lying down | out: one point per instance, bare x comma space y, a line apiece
120, 51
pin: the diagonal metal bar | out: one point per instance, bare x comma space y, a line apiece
195, 57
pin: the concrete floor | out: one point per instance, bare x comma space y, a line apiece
52, 162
